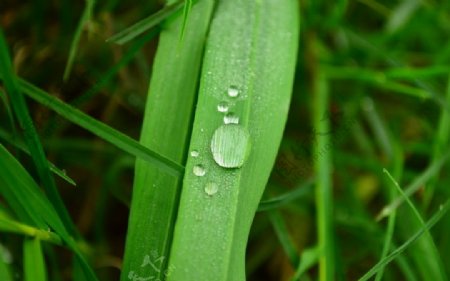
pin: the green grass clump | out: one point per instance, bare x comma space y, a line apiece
224, 140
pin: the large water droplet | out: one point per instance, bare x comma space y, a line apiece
233, 91
194, 153
230, 145
222, 107
211, 188
199, 170
230, 118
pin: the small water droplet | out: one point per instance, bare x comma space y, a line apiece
233, 91
230, 118
211, 188
230, 145
194, 153
222, 107
199, 170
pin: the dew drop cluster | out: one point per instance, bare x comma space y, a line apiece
230, 143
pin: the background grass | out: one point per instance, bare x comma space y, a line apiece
371, 93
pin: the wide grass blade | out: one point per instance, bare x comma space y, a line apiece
248, 71
34, 265
166, 128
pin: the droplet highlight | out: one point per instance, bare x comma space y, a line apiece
233, 91
194, 153
211, 188
231, 118
199, 170
230, 145
222, 107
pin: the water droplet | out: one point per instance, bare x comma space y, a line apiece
199, 170
194, 153
230, 118
211, 188
233, 91
222, 107
230, 145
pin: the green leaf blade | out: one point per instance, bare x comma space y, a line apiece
166, 129
34, 265
251, 48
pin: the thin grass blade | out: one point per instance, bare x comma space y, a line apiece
24, 197
429, 224
432, 267
308, 259
31, 137
34, 265
283, 236
142, 26
425, 176
324, 192
304, 189
85, 18
101, 130
20, 145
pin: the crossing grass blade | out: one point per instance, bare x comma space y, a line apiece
100, 129
250, 53
85, 18
308, 258
411, 218
433, 267
186, 11
9, 225
18, 144
4, 99
282, 233
30, 135
34, 265
109, 75
304, 189
166, 128
142, 26
424, 177
31, 206
428, 225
